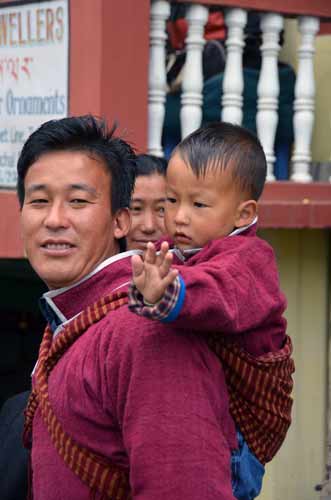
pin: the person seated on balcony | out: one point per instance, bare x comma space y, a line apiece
121, 407
213, 65
225, 286
147, 202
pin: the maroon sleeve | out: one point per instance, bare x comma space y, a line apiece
171, 403
231, 286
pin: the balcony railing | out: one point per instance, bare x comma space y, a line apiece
267, 116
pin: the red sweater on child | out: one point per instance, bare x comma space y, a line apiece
230, 287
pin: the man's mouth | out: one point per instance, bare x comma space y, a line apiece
57, 246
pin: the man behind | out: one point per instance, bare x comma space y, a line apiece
121, 407
147, 202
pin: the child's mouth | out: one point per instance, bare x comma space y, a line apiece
182, 238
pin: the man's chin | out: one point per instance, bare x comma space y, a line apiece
58, 279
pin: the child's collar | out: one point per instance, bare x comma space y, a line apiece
185, 254
242, 229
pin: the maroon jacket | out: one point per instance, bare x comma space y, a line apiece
143, 394
230, 287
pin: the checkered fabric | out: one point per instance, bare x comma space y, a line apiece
109, 480
259, 393
161, 309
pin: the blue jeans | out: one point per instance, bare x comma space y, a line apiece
247, 472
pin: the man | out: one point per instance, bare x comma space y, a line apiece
147, 202
121, 407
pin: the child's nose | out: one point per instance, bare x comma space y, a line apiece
182, 216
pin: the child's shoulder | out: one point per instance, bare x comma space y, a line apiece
237, 248
237, 243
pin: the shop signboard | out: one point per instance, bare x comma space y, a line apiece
34, 68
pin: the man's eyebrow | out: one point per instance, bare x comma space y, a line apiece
35, 187
142, 200
81, 186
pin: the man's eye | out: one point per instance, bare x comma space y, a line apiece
171, 200
38, 201
135, 210
160, 211
78, 201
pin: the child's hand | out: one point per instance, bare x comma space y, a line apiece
153, 274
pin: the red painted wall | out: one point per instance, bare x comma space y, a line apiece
109, 50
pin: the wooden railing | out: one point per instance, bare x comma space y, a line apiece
271, 24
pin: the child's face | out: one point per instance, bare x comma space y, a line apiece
200, 209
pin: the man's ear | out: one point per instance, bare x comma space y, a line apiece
246, 213
122, 223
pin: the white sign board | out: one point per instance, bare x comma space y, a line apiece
34, 44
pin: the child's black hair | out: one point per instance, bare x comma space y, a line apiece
222, 145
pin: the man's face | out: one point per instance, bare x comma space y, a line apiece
147, 211
67, 224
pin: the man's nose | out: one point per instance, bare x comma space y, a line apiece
57, 216
149, 223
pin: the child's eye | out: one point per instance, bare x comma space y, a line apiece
171, 200
198, 204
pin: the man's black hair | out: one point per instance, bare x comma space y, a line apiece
222, 145
150, 164
86, 134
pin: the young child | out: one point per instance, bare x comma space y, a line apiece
226, 286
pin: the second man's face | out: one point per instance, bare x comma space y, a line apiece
67, 223
147, 211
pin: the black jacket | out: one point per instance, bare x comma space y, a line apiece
13, 456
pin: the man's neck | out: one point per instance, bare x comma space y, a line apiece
62, 304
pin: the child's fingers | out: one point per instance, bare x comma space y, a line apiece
170, 277
162, 253
150, 255
137, 266
164, 247
166, 264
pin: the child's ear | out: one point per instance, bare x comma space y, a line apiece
246, 213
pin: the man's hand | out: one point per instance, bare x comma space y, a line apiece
153, 275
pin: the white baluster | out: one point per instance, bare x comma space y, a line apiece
268, 87
233, 82
191, 99
304, 100
160, 10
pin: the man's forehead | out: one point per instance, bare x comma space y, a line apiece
67, 155
67, 171
68, 160
79, 186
